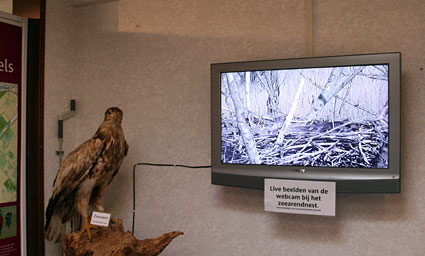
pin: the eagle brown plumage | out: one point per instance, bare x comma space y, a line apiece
84, 175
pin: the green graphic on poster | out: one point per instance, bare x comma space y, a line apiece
8, 225
8, 142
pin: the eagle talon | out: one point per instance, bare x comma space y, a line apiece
115, 221
86, 227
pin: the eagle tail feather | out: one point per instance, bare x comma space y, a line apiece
58, 212
53, 201
55, 229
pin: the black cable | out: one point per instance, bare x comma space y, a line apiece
152, 164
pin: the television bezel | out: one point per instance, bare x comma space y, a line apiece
348, 180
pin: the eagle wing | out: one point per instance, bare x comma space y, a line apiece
77, 165
74, 170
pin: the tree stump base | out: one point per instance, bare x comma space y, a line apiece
114, 241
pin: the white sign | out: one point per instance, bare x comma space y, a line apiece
100, 219
300, 197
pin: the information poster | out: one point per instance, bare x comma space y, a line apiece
300, 197
11, 49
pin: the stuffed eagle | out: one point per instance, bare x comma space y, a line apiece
84, 175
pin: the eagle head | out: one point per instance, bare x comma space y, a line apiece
113, 113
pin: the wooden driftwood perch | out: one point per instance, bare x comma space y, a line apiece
114, 241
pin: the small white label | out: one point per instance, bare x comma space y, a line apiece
100, 219
300, 197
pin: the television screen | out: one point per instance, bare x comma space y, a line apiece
331, 117
325, 118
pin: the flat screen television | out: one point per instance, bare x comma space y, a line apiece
331, 118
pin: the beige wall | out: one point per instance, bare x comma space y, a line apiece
152, 59
6, 6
